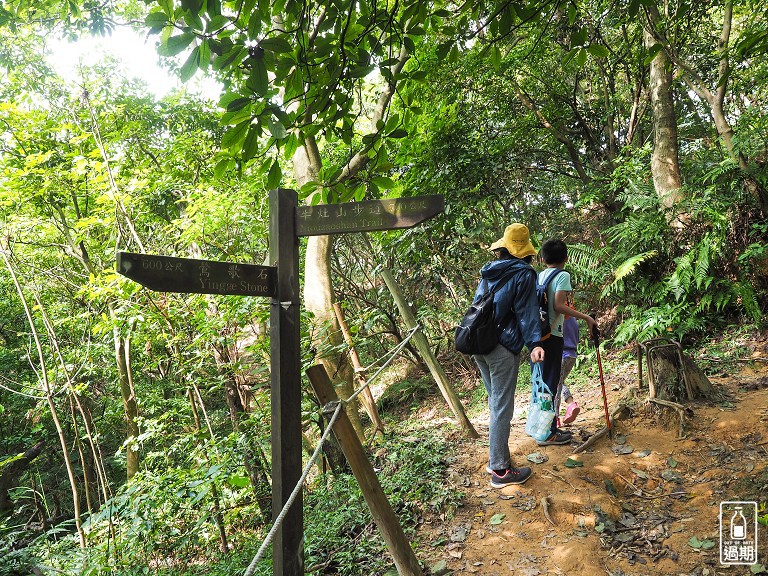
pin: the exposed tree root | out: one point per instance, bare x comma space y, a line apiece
618, 414
680, 411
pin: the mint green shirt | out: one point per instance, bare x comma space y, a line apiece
561, 282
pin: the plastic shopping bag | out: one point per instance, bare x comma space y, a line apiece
540, 414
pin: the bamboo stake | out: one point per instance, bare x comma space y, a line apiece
420, 341
367, 396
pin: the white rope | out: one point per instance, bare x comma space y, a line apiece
20, 393
278, 521
393, 354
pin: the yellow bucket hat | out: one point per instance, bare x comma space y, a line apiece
516, 240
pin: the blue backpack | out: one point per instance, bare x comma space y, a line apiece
541, 296
478, 332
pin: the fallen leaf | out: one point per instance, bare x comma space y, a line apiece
640, 473
498, 518
537, 458
459, 534
671, 462
572, 463
438, 568
671, 476
705, 544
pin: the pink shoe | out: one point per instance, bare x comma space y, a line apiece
571, 411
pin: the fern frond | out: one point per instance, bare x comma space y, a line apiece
630, 264
702, 261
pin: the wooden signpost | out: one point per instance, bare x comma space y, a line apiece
170, 274
367, 216
280, 281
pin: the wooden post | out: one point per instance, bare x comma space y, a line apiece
420, 341
288, 544
386, 520
366, 395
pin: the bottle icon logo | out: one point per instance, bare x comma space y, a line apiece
738, 533
738, 525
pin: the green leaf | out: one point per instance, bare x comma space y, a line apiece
652, 52
496, 56
600, 528
238, 104
223, 61
276, 128
569, 56
258, 81
222, 167
598, 51
204, 59
399, 133
217, 22
155, 20
497, 518
176, 44
235, 135
251, 143
275, 176
277, 45
629, 265
671, 462
572, 463
238, 481
191, 65
581, 58
383, 182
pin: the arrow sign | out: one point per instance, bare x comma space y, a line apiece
170, 274
368, 215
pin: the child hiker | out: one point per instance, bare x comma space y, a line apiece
570, 353
555, 255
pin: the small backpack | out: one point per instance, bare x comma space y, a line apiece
543, 299
478, 332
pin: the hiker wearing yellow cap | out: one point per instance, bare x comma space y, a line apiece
513, 279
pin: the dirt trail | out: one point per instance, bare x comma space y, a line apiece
618, 514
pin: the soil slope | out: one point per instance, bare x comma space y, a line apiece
644, 503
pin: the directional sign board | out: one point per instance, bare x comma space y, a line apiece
170, 274
367, 215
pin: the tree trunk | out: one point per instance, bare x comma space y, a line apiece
49, 396
318, 293
665, 165
122, 353
668, 380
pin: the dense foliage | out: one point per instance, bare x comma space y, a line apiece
134, 425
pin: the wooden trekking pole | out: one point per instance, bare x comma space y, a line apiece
596, 340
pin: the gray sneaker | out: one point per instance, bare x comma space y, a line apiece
556, 439
511, 476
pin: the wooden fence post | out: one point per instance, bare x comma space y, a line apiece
385, 518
